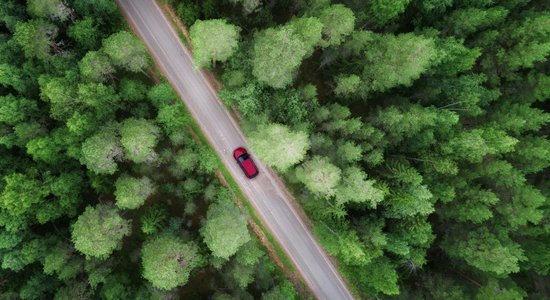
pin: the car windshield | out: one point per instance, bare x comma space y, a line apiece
243, 157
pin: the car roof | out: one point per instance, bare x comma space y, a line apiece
249, 167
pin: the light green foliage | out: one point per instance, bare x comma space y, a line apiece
347, 85
495, 290
101, 151
34, 38
96, 66
472, 205
61, 94
283, 291
482, 249
126, 51
378, 276
475, 144
139, 138
277, 54
162, 95
132, 90
97, 95
173, 119
338, 22
84, 32
532, 154
21, 193
187, 159
11, 76
381, 12
532, 42
14, 110
132, 192
355, 188
455, 57
278, 146
225, 229
208, 160
465, 21
54, 9
213, 40
391, 60
320, 176
167, 261
309, 29
98, 231
518, 118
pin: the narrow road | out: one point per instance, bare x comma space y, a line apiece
265, 192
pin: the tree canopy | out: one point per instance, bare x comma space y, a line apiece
213, 40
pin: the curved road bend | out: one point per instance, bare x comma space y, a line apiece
267, 196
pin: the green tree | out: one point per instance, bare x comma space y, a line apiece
101, 151
338, 22
85, 32
21, 194
277, 54
126, 51
168, 262
531, 42
225, 229
14, 110
380, 12
162, 95
482, 249
53, 9
396, 60
96, 66
213, 40
186, 159
153, 219
355, 188
347, 85
284, 291
35, 37
319, 175
98, 231
98, 95
132, 192
309, 29
12, 76
139, 138
278, 146
465, 21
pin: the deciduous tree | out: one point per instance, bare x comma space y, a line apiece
139, 138
167, 261
213, 40
126, 51
132, 192
225, 229
99, 230
278, 146
320, 176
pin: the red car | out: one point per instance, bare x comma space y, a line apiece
245, 161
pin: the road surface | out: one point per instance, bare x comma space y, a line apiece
265, 192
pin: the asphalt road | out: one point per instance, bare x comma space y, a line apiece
266, 193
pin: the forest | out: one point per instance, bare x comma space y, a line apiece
413, 133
